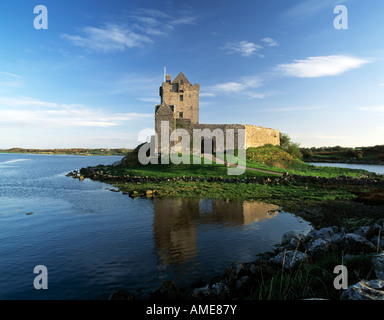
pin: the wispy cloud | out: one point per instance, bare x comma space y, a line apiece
244, 48
134, 30
326, 137
108, 38
292, 109
270, 42
36, 113
244, 86
372, 109
8, 79
322, 66
154, 100
307, 8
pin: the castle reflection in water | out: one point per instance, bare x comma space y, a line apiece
177, 223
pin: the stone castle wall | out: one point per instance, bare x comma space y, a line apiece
258, 136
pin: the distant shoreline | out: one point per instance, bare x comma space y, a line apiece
70, 151
371, 162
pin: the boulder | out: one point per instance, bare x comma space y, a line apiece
290, 259
291, 239
122, 295
365, 290
353, 243
168, 291
378, 262
243, 285
318, 247
330, 234
236, 270
378, 242
216, 291
365, 232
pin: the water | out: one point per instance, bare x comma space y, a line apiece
379, 169
95, 242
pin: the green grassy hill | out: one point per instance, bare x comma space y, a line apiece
267, 158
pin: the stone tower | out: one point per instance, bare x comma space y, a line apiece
182, 97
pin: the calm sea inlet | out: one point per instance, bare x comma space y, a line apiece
94, 242
379, 169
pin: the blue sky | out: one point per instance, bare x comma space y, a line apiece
91, 79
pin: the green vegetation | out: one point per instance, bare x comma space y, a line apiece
72, 151
266, 164
291, 147
313, 281
281, 194
263, 180
272, 160
341, 154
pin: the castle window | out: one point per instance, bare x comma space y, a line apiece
181, 97
181, 114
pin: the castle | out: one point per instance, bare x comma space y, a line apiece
180, 109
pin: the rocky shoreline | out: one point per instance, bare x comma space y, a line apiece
98, 174
242, 280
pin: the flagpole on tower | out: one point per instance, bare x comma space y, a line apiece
164, 73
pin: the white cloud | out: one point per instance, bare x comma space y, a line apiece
12, 75
314, 67
154, 100
325, 137
16, 112
135, 30
244, 86
244, 48
108, 38
372, 109
270, 42
290, 109
8, 79
307, 8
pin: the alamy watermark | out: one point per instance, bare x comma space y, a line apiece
41, 20
341, 21
340, 281
40, 281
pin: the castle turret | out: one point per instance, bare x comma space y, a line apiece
183, 96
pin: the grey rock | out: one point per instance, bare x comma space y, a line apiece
122, 295
217, 291
365, 290
378, 262
243, 284
287, 237
290, 259
353, 243
318, 247
168, 291
330, 234
378, 242
365, 232
236, 270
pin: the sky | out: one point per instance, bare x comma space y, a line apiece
91, 78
